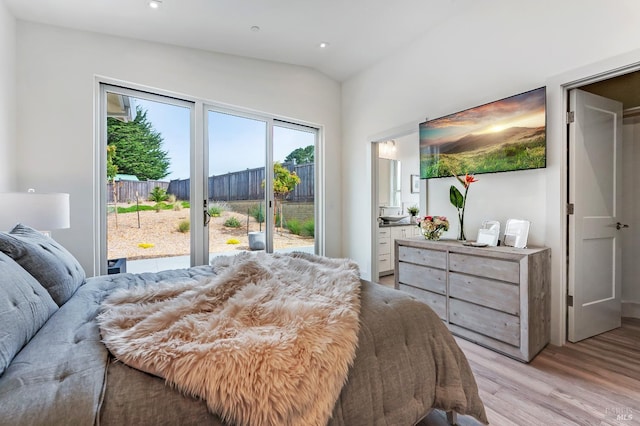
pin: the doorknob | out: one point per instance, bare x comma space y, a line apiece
621, 225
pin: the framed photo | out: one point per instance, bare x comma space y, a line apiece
415, 184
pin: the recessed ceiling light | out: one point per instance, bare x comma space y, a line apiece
255, 28
154, 4
323, 45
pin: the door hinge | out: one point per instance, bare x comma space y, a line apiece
570, 208
571, 117
569, 300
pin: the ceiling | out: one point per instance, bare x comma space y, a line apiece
359, 33
625, 88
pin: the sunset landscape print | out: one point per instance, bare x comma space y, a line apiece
505, 135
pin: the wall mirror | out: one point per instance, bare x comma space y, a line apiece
389, 183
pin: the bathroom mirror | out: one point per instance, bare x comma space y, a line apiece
389, 194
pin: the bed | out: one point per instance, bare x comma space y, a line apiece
406, 362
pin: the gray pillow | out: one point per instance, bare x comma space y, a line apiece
24, 307
51, 264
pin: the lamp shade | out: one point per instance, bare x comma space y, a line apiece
40, 211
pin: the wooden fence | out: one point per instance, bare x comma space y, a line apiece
126, 189
247, 185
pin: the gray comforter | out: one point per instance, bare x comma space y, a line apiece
406, 364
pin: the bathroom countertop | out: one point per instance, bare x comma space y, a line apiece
388, 225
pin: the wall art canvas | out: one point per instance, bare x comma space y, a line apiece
505, 135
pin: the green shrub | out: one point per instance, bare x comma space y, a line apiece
232, 222
308, 228
158, 194
294, 226
257, 212
185, 204
216, 208
162, 206
184, 226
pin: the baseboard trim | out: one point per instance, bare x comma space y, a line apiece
631, 309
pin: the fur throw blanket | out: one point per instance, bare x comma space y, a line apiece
268, 340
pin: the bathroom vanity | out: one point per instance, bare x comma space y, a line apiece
387, 235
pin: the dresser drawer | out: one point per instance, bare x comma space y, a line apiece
426, 257
493, 294
503, 270
492, 323
423, 277
435, 301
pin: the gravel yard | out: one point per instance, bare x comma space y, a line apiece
161, 230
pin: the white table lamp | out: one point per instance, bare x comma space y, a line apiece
41, 211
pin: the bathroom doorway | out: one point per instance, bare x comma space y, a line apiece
395, 159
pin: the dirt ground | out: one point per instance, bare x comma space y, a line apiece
161, 230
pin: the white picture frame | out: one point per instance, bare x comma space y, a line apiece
415, 184
516, 233
489, 233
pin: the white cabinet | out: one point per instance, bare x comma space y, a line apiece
384, 250
386, 240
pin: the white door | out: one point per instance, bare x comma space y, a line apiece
595, 172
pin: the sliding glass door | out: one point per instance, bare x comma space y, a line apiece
236, 183
254, 206
182, 181
147, 197
294, 148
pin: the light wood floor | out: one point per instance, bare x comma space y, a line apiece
593, 382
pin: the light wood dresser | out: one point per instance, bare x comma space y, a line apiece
497, 297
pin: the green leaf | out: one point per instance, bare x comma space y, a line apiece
456, 197
137, 148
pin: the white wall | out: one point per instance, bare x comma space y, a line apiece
407, 149
57, 69
7, 99
631, 216
496, 49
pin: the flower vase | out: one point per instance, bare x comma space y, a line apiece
461, 235
433, 235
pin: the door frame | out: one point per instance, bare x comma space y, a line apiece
272, 122
195, 161
558, 88
374, 141
318, 171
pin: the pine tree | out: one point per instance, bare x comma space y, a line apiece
138, 147
301, 155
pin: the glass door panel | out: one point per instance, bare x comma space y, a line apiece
294, 188
237, 148
148, 170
